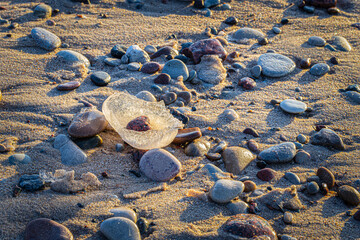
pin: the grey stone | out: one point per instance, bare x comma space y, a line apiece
341, 44
281, 153
236, 159
45, 39
328, 138
133, 66
276, 65
302, 157
19, 158
237, 207
256, 71
214, 172
225, 190
230, 114
349, 195
124, 212
72, 57
354, 96
312, 187
276, 30
46, 229
113, 62
71, 154
176, 68
302, 138
247, 33
146, 95
319, 69
87, 123
150, 49
197, 148
211, 3
31, 183
293, 106
120, 228
316, 41
136, 54
293, 178
119, 147
288, 217
43, 11
100, 78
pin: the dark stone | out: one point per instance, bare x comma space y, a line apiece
178, 115
68, 86
182, 58
199, 4
231, 21
266, 174
100, 78
88, 143
184, 95
187, 135
169, 98
326, 176
284, 21
118, 51
328, 138
150, 67
162, 78
31, 183
167, 51
305, 63
251, 131
46, 229
263, 41
334, 60
322, 3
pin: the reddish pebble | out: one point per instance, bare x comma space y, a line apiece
247, 83
266, 174
163, 78
51, 22
150, 67
68, 86
139, 124
253, 145
207, 47
249, 186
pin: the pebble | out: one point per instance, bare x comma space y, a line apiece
146, 96
100, 78
293, 178
247, 33
46, 229
276, 30
225, 190
150, 67
249, 186
118, 51
71, 154
45, 39
249, 226
213, 156
43, 11
19, 158
302, 157
261, 164
275, 65
150, 49
319, 69
133, 66
266, 174
124, 59
231, 20
301, 138
253, 145
326, 176
187, 135
159, 165
256, 71
214, 172
168, 98
251, 131
237, 207
89, 143
316, 41
175, 68
199, 4
341, 44
162, 78
354, 96
312, 187
113, 62
185, 96
182, 58
208, 12
309, 9
293, 106
125, 213
349, 195
263, 41
281, 153
31, 183
357, 215
143, 225
119, 147
287, 237
87, 124
284, 21
288, 218
207, 47
333, 11
236, 159
197, 148
334, 60
136, 54
68, 86
328, 138
211, 70
305, 63
221, 146
140, 124
120, 228
73, 57
247, 83
313, 178
230, 114
169, 52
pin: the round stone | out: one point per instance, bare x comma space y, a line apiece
176, 68
237, 207
185, 96
247, 33
319, 69
46, 229
45, 39
302, 157
125, 213
236, 159
169, 98
100, 78
159, 165
113, 62
316, 41
293, 178
253, 145
162, 78
197, 148
150, 49
305, 63
276, 30
302, 138
275, 65
281, 153
150, 67
118, 51
19, 158
249, 226
119, 147
68, 86
288, 217
43, 11
256, 71
247, 83
73, 57
326, 176
146, 95
266, 174
251, 131
182, 58
136, 54
349, 195
293, 106
133, 66
341, 44
120, 228
249, 186
230, 114
312, 187
224, 190
87, 124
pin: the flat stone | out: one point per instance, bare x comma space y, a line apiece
276, 30
136, 54
113, 62
206, 47
247, 33
316, 41
43, 11
328, 138
89, 143
349, 195
73, 57
276, 65
293, 106
19, 158
124, 212
354, 96
214, 172
120, 228
46, 229
326, 176
211, 3
150, 67
256, 71
247, 83
302, 157
197, 148
146, 95
236, 159
71, 154
253, 145
250, 186
237, 207
140, 124
169, 98
45, 39
87, 124
162, 78
187, 135
31, 183
185, 96
68, 86
118, 51
319, 69
224, 190
281, 153
159, 165
150, 49
293, 178
211, 70
176, 68
341, 44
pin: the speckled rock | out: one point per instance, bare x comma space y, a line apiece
140, 124
68, 86
319, 69
211, 70
249, 186
45, 39
31, 183
281, 153
176, 68
124, 212
87, 123
73, 57
276, 65
247, 83
341, 44
253, 145
236, 159
293, 106
206, 47
224, 190
120, 228
326, 176
349, 195
159, 165
288, 217
328, 138
136, 54
46, 229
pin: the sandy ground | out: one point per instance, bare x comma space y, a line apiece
34, 111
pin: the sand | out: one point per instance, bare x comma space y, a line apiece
34, 111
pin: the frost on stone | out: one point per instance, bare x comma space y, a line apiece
121, 108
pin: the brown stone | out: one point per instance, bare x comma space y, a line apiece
187, 135
87, 124
326, 176
236, 159
207, 47
150, 67
349, 195
139, 124
162, 78
249, 186
46, 229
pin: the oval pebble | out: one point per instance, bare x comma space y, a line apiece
266, 174
230, 114
146, 95
247, 83
288, 217
247, 33
276, 65
176, 68
133, 66
349, 195
305, 63
43, 11
73, 57
293, 106
302, 157
319, 69
169, 98
281, 153
162, 78
253, 145
124, 212
316, 41
118, 51
312, 187
68, 86
302, 138
120, 228
224, 190
87, 124
100, 78
150, 67
46, 229
293, 178
237, 207
45, 39
341, 44
276, 30
326, 176
249, 186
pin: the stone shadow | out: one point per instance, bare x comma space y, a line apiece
278, 118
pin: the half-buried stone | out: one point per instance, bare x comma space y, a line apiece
73, 57
45, 39
293, 106
176, 68
225, 190
328, 138
118, 51
316, 41
120, 228
71, 154
124, 212
236, 159
211, 70
19, 158
146, 95
159, 165
47, 229
247, 33
354, 96
68, 86
87, 123
206, 47
341, 44
43, 11
275, 65
319, 69
281, 153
